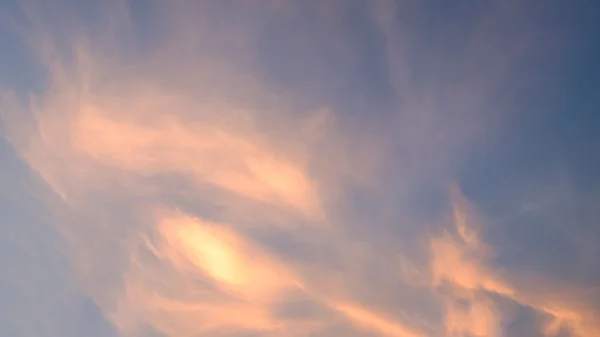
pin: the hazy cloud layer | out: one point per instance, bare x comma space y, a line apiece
292, 168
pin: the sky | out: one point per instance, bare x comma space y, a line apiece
250, 168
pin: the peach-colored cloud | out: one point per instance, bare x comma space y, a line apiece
223, 255
456, 263
106, 132
477, 318
461, 261
247, 279
242, 282
90, 133
206, 152
369, 320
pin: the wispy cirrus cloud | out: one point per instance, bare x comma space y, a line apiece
206, 186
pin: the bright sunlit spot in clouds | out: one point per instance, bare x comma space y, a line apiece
296, 168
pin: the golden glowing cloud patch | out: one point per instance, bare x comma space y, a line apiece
223, 255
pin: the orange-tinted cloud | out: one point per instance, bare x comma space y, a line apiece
462, 261
369, 320
105, 133
97, 131
219, 252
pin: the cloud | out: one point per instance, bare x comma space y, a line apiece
362, 317
462, 261
205, 186
102, 131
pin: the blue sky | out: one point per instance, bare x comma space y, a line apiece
299, 168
